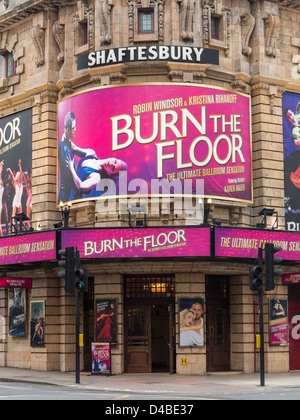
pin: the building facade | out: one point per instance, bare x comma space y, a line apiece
158, 84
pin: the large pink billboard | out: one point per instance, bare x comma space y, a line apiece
133, 136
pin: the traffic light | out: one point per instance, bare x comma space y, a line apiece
81, 282
270, 260
255, 276
69, 263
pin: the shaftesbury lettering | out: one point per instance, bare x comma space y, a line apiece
148, 53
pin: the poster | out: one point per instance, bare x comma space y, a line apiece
291, 144
17, 312
106, 320
15, 168
101, 358
154, 139
37, 323
278, 322
191, 325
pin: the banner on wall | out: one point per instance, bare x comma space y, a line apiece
17, 282
154, 139
291, 144
15, 167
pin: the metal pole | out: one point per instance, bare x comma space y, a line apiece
77, 292
261, 329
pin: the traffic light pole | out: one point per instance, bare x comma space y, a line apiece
262, 341
77, 298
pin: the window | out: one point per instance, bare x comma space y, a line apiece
7, 65
151, 286
215, 27
146, 21
83, 33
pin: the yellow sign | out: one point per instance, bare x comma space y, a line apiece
258, 341
184, 361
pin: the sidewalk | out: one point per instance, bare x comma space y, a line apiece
156, 383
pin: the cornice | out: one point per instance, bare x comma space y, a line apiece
28, 8
289, 4
28, 98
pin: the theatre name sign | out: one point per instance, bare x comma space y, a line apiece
183, 54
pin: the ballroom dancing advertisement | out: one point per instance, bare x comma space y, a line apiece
101, 358
15, 169
106, 320
154, 139
291, 145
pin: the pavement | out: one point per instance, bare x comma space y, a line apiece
157, 383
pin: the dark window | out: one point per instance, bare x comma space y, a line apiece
146, 21
7, 65
215, 27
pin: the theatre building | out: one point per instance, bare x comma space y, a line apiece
158, 140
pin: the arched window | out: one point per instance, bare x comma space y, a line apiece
7, 65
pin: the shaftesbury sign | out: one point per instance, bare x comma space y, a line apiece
148, 53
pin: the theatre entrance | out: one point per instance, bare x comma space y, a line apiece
217, 323
294, 326
149, 324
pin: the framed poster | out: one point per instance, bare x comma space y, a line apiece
37, 323
17, 312
106, 320
101, 358
191, 325
278, 322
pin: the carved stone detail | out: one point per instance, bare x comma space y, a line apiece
38, 37
187, 8
206, 6
271, 31
59, 36
248, 23
105, 14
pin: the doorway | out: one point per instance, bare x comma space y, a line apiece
217, 323
149, 324
88, 324
294, 323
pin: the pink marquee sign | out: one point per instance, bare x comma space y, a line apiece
28, 248
244, 243
131, 243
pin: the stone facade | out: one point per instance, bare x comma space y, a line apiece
259, 45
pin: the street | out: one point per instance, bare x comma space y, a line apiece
148, 402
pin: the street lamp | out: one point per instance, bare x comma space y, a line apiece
65, 210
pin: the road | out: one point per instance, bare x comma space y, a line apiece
143, 400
